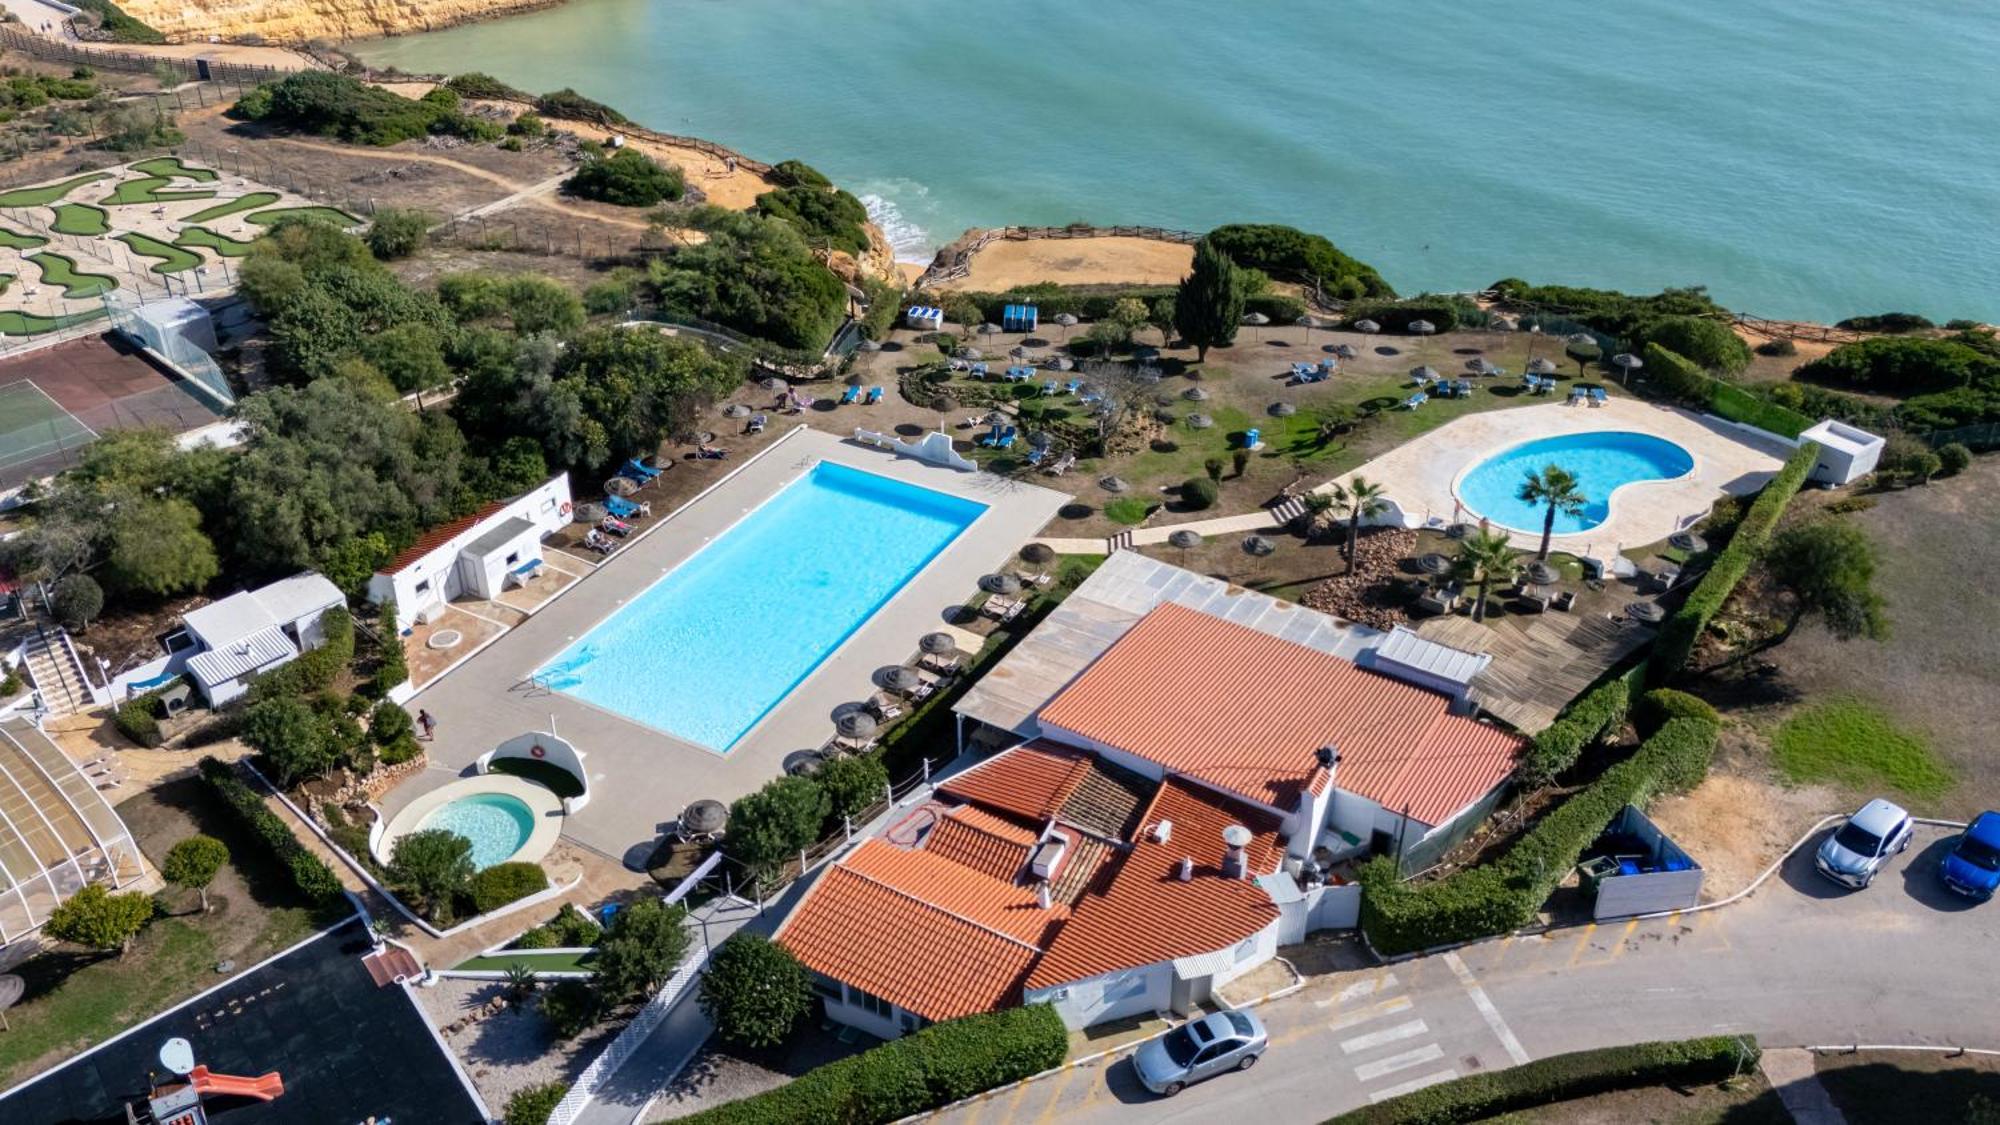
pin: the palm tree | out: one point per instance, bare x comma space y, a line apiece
1483, 557
1360, 500
1557, 490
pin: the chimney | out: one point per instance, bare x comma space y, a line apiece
1042, 895
1235, 863
1185, 872
1163, 832
1328, 758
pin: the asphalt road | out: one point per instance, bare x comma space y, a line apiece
1799, 963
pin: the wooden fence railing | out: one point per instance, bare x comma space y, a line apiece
110, 58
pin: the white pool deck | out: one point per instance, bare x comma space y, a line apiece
1420, 474
641, 777
543, 804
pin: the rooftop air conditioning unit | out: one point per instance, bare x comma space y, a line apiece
1048, 855
1163, 831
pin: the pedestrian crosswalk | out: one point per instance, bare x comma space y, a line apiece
1387, 1044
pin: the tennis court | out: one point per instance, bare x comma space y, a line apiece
55, 401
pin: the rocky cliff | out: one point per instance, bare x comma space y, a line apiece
297, 21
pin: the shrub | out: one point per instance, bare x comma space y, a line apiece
1560, 1078
1294, 255
755, 991
797, 173
293, 738
1128, 510
344, 107
1892, 322
640, 949
1902, 365
568, 103
193, 863
138, 719
76, 599
503, 883
1445, 313
570, 1006
1708, 342
1660, 706
398, 232
1781, 346
435, 866
1684, 629
474, 84
99, 919
121, 27
1505, 894
823, 214
1682, 379
1954, 458
936, 1066
627, 178
389, 724
393, 669
1622, 316
1588, 720
1199, 493
309, 873
773, 824
852, 784
529, 125
533, 1105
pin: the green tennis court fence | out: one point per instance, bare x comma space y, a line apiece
40, 438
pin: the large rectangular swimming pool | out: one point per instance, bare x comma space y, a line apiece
715, 644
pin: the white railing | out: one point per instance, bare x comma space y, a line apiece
627, 1042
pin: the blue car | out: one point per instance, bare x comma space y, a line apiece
1973, 867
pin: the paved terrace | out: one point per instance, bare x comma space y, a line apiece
1420, 474
642, 777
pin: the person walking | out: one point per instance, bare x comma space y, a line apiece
429, 725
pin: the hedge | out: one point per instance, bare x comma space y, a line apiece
1685, 380
502, 883
138, 719
1560, 1078
1505, 894
1444, 313
1661, 705
1678, 636
311, 874
936, 1066
1587, 720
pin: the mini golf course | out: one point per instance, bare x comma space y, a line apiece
331, 214
81, 218
47, 193
15, 240
171, 166
173, 259
61, 271
202, 238
146, 189
247, 202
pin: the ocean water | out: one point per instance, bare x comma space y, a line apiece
709, 649
1602, 462
1803, 160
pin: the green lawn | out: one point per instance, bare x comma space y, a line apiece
1850, 743
248, 202
535, 961
47, 193
15, 240
173, 259
206, 239
16, 323
81, 218
146, 189
266, 218
172, 166
58, 269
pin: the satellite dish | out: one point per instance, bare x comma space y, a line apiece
177, 1055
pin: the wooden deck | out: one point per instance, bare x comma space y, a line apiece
1539, 663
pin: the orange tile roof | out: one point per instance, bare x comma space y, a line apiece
1030, 781
437, 537
974, 838
1247, 712
918, 957
1144, 914
994, 904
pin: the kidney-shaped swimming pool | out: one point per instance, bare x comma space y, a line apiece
1602, 461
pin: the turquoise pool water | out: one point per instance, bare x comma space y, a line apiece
1602, 462
710, 648
496, 823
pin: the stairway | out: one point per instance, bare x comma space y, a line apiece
56, 674
1121, 541
1285, 509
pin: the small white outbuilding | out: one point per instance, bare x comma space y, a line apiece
252, 632
1846, 454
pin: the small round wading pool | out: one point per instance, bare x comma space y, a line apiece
505, 817
496, 823
1602, 461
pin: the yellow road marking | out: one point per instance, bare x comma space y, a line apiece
1624, 940
1582, 943
1055, 1094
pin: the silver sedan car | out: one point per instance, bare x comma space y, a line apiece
1200, 1049
1856, 852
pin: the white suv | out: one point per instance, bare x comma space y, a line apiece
1859, 848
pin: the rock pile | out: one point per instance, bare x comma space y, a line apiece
1375, 594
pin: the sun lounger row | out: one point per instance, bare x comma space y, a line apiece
853, 395
1000, 437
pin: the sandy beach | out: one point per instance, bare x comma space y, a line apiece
1004, 264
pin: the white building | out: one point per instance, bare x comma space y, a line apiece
1846, 454
228, 643
474, 556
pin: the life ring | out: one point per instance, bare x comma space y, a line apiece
537, 751
566, 507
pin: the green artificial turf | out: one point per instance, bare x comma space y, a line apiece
146, 189
173, 259
81, 218
247, 202
266, 218
171, 166
59, 269
15, 240
206, 239
47, 193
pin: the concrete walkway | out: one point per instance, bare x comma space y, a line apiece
1791, 1073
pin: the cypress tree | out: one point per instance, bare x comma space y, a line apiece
1209, 305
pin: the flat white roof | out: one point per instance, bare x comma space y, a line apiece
1840, 436
1405, 649
503, 535
223, 623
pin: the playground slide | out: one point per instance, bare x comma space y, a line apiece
264, 1089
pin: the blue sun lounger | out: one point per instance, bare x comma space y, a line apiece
850, 396
874, 396
1598, 397
622, 508
1416, 400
